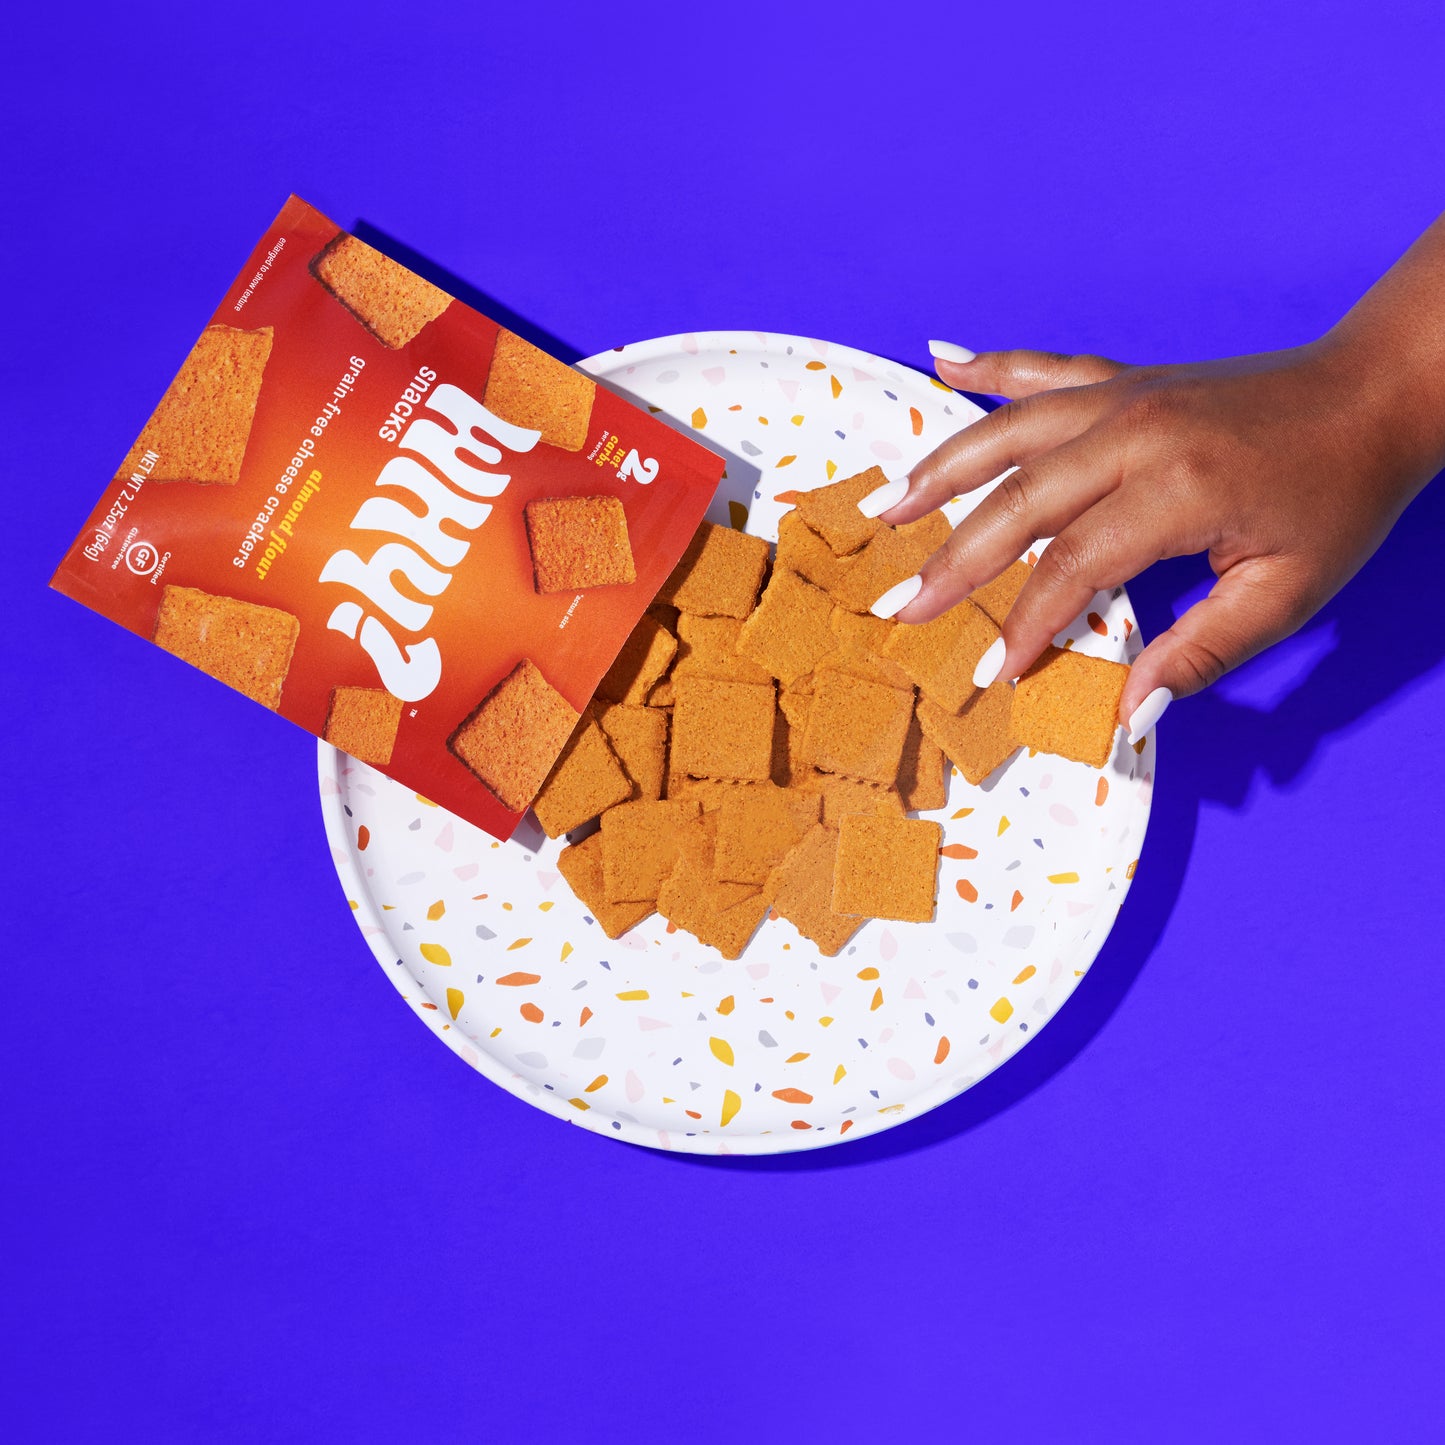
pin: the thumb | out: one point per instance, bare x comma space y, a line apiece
1016, 373
1249, 608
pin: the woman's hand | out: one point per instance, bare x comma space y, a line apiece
1287, 468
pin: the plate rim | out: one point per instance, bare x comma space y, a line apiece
330, 766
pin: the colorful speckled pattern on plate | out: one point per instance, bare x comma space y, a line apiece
658, 1040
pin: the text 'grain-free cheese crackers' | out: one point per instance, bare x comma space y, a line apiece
377, 512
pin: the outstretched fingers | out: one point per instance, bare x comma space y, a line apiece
1251, 607
1017, 373
970, 458
1039, 499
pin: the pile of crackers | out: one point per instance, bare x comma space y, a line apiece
760, 747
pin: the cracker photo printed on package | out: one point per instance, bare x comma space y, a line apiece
393, 303
513, 736
243, 644
363, 721
577, 543
200, 429
531, 389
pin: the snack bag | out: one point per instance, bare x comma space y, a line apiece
373, 510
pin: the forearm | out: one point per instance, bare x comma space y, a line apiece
1393, 343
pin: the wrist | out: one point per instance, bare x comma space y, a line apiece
1392, 391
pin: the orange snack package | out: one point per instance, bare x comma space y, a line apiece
373, 510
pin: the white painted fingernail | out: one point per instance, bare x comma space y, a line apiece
990, 664
947, 351
1149, 712
888, 495
897, 597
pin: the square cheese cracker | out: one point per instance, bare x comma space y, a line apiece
802, 550
892, 554
640, 846
586, 780
720, 914
800, 888
1068, 704
995, 599
789, 632
581, 866
941, 655
887, 868
723, 729
718, 574
976, 738
638, 736
832, 510
756, 827
857, 728
639, 666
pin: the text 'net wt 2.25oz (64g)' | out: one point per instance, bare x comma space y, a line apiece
370, 508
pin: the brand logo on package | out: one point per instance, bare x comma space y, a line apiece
449, 471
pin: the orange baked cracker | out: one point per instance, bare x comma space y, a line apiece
363, 721
842, 796
719, 914
887, 868
832, 510
662, 695
800, 888
856, 728
792, 765
941, 655
638, 736
708, 647
203, 423
1068, 704
708, 793
995, 599
586, 780
635, 671
756, 827
639, 846
242, 644
577, 543
977, 738
722, 729
863, 637
393, 303
512, 737
581, 866
789, 631
892, 554
719, 574
922, 783
531, 389
802, 550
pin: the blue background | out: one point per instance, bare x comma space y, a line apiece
248, 1197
